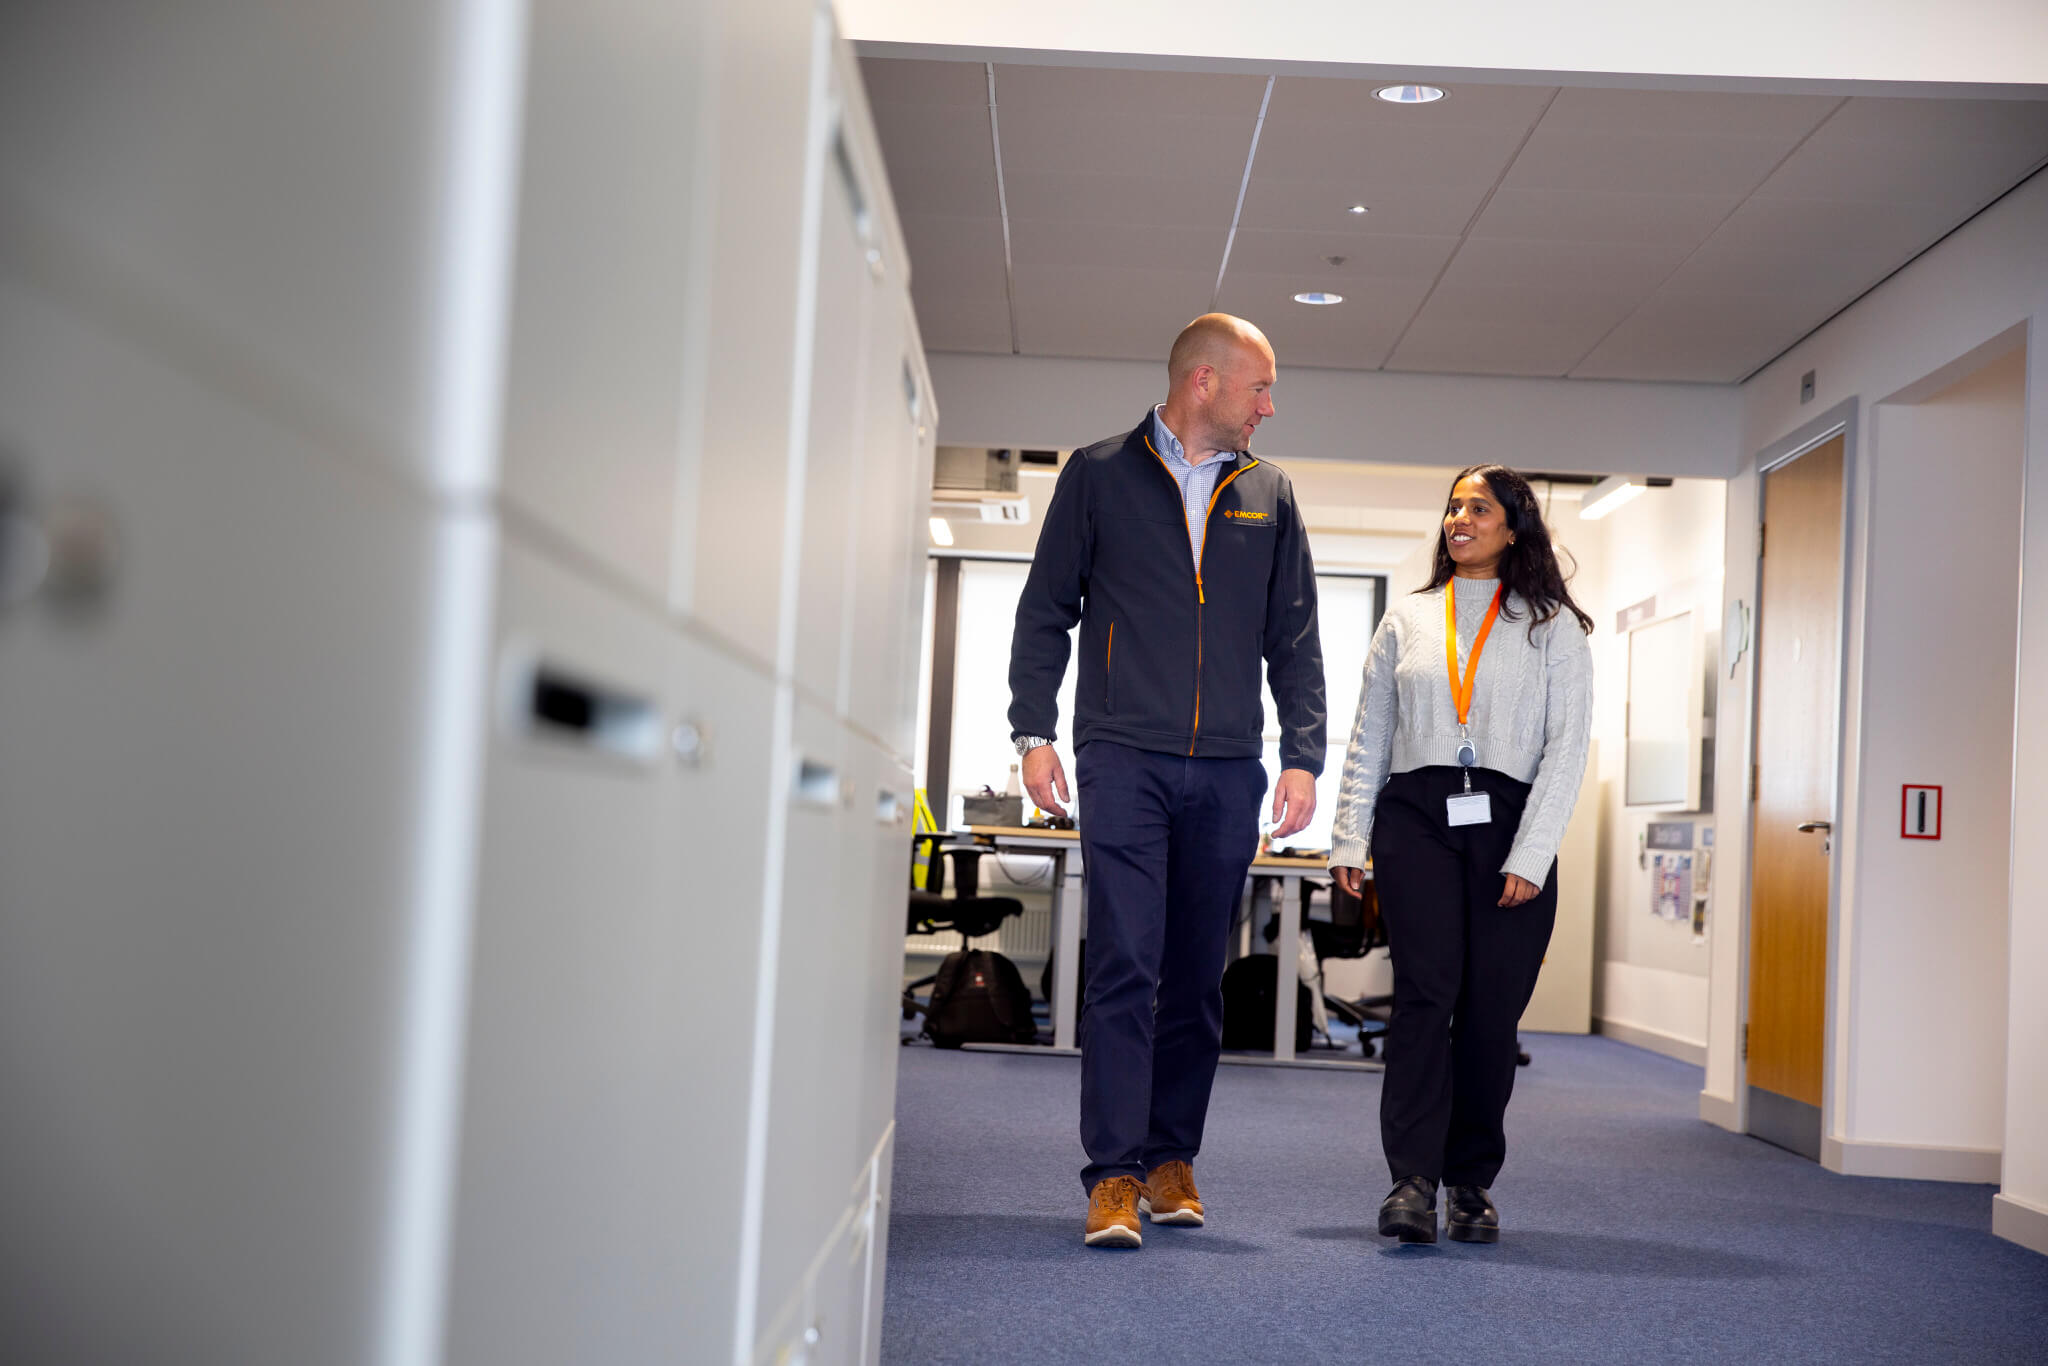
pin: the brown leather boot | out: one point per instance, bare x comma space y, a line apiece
1170, 1196
1113, 1213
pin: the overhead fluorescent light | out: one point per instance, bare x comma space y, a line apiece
1409, 94
1609, 494
1317, 296
1358, 208
942, 532
984, 505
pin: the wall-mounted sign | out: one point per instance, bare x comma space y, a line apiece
1628, 618
1920, 816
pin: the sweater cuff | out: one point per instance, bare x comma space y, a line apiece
1531, 865
1348, 854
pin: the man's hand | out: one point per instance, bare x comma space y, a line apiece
1043, 776
1351, 880
1519, 890
1294, 802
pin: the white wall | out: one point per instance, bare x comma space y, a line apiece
1651, 984
1974, 40
1939, 639
1956, 302
1598, 427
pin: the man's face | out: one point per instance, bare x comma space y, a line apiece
1240, 396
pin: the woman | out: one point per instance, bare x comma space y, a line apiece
1464, 766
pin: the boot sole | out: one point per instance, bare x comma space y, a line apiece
1408, 1228
1115, 1236
1188, 1217
1474, 1233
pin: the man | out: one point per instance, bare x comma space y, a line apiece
1184, 559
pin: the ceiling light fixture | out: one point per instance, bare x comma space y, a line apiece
1358, 208
1409, 94
1609, 494
1317, 296
942, 531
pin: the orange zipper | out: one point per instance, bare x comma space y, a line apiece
1201, 597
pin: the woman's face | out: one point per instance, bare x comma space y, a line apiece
1475, 528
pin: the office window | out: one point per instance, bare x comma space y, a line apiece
1350, 607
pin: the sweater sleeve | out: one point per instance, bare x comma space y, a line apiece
1567, 728
1371, 752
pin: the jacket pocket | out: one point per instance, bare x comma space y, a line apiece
1109, 673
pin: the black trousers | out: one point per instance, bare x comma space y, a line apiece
1464, 969
1167, 841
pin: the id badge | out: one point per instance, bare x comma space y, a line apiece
1472, 808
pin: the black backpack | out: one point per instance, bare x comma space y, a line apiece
1248, 1002
979, 997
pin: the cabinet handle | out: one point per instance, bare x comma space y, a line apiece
816, 784
568, 707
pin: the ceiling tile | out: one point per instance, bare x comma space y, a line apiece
1661, 113
1504, 347
1350, 101
957, 255
1364, 162
948, 323
1643, 163
1083, 142
1716, 338
1352, 335
1944, 121
1133, 200
1622, 217
1067, 242
1306, 254
1317, 206
926, 137
895, 80
1965, 175
1825, 226
1118, 314
1161, 94
1596, 267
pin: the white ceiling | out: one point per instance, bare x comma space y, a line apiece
1593, 233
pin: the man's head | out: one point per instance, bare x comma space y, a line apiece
1219, 383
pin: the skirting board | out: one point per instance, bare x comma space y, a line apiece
1670, 1045
1720, 1111
1912, 1161
2016, 1221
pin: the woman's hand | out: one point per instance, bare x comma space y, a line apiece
1519, 889
1351, 880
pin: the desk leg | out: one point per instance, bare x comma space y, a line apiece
1285, 994
1068, 908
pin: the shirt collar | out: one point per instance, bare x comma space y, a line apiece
1169, 444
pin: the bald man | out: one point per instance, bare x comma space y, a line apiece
1184, 560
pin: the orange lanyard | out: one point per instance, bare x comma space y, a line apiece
1461, 693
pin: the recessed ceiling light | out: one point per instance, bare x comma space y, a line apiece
1317, 296
1409, 94
942, 532
1358, 208
1609, 494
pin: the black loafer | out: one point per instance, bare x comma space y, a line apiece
1470, 1216
1409, 1211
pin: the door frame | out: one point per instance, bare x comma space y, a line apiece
1841, 420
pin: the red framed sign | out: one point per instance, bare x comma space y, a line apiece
1920, 813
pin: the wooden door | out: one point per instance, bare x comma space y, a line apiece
1798, 704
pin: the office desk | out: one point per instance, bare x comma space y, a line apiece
1268, 869
1068, 911
1064, 848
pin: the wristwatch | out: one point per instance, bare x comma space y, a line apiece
1026, 743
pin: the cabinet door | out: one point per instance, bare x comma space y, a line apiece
764, 55
570, 1235
836, 479
314, 202
209, 855
601, 310
720, 833
892, 522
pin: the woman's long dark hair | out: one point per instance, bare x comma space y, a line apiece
1528, 567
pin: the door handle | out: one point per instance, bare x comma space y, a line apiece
1826, 831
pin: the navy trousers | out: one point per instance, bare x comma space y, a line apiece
1166, 840
1464, 969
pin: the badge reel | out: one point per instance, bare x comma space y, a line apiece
1469, 807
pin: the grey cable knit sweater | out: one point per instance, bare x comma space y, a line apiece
1532, 716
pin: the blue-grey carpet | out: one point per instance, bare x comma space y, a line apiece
1634, 1233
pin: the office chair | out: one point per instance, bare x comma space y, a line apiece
930, 910
1354, 929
